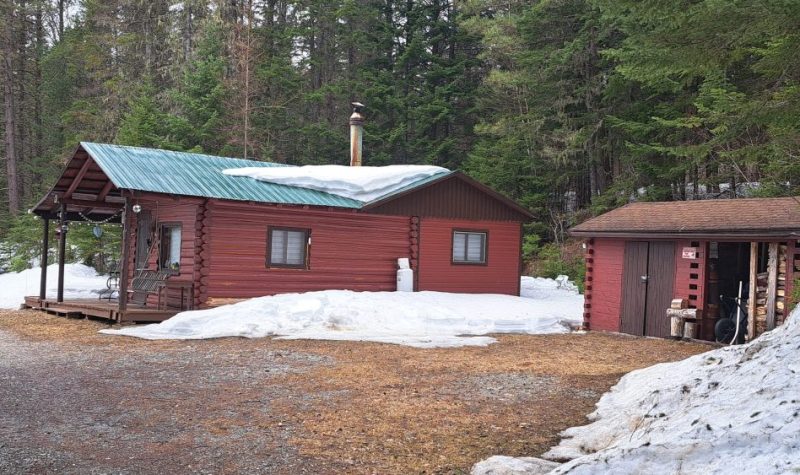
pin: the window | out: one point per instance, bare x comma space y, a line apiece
469, 247
288, 248
170, 248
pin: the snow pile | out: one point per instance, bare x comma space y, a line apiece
542, 288
420, 319
502, 465
731, 410
359, 183
80, 281
734, 409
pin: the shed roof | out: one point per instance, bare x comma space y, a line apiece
726, 218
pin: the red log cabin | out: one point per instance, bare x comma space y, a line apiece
643, 255
194, 237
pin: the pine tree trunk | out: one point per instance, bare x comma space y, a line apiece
61, 19
38, 134
22, 138
12, 175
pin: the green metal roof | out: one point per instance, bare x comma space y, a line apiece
195, 174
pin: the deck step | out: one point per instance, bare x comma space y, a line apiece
69, 312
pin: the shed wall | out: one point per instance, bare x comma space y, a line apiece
500, 275
348, 250
690, 274
604, 281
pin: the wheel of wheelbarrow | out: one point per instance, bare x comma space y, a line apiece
724, 330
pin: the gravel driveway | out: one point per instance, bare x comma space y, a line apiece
75, 401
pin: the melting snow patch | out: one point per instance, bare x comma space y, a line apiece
731, 410
502, 465
420, 319
80, 281
359, 183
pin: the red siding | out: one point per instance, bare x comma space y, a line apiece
348, 250
690, 274
606, 264
437, 272
792, 250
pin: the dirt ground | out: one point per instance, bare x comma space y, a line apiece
75, 401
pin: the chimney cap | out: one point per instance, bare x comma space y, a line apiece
357, 106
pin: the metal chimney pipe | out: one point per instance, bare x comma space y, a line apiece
356, 134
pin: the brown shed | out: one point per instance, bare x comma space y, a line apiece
643, 255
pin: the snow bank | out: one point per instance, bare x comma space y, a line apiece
734, 409
80, 281
420, 319
731, 410
358, 183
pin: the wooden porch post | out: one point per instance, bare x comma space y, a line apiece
43, 263
62, 248
126, 245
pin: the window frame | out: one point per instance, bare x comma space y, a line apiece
160, 263
306, 265
484, 253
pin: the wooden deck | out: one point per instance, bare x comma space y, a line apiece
99, 309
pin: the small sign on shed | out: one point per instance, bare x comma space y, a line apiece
689, 253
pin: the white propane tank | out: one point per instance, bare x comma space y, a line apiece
405, 276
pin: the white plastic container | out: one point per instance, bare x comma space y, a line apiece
405, 276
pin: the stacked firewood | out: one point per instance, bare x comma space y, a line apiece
761, 303
780, 293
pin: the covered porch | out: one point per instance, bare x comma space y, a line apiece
85, 193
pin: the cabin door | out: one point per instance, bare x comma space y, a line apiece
144, 224
647, 285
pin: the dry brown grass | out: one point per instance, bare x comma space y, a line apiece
390, 409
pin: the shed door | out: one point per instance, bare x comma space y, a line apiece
634, 288
647, 285
660, 282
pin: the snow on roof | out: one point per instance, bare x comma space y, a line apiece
364, 184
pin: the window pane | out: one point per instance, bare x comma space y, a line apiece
469, 247
288, 247
278, 247
459, 246
296, 248
175, 245
475, 247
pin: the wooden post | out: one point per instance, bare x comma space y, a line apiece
126, 248
772, 284
43, 263
62, 250
751, 299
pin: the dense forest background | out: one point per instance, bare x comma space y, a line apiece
569, 106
